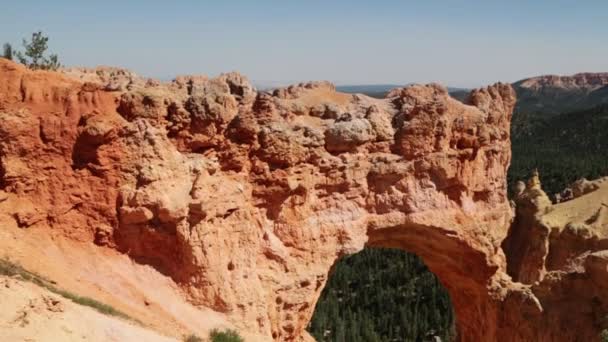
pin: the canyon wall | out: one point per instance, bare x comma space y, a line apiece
246, 199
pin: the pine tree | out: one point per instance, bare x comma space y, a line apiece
33, 56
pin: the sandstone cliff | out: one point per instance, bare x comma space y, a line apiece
246, 199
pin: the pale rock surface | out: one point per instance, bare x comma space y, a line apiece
32, 313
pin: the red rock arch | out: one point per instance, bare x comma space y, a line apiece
247, 198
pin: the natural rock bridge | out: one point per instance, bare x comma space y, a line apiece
246, 199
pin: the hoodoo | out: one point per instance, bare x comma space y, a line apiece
246, 199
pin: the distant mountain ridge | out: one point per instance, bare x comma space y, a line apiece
540, 95
582, 81
553, 95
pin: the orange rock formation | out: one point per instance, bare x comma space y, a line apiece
246, 199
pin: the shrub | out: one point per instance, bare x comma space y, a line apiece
7, 51
228, 335
192, 338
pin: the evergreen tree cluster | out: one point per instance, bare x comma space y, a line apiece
563, 147
382, 295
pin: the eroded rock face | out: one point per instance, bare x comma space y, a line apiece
247, 199
560, 251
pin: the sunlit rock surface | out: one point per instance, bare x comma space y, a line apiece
246, 199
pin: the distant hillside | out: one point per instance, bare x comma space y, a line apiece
553, 95
560, 126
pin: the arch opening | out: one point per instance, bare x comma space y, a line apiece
383, 294
462, 272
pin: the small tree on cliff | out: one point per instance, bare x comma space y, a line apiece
33, 56
7, 51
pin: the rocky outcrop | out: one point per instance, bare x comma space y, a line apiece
527, 243
246, 199
579, 188
560, 251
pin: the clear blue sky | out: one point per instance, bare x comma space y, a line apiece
459, 43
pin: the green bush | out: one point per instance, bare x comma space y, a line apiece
228, 335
